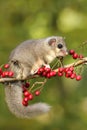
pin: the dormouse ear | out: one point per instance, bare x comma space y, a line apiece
52, 41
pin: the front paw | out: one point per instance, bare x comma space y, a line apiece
33, 72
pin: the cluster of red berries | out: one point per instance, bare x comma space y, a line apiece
46, 72
69, 73
4, 73
28, 96
75, 55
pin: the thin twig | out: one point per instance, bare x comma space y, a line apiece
41, 86
36, 83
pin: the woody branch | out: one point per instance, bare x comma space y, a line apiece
74, 64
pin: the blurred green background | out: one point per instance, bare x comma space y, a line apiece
29, 19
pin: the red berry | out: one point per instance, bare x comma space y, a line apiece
48, 75
0, 71
38, 72
41, 69
26, 93
51, 73
25, 99
54, 73
10, 74
66, 69
78, 77
71, 68
44, 73
3, 74
60, 74
47, 69
6, 73
73, 75
24, 88
71, 52
37, 92
25, 103
75, 56
30, 97
60, 70
27, 85
6, 66
69, 73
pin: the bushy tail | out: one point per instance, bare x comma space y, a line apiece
13, 94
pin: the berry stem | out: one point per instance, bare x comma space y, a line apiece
55, 64
40, 87
36, 83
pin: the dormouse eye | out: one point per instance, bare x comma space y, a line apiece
60, 46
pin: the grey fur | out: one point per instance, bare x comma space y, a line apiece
25, 60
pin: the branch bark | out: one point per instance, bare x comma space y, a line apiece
74, 64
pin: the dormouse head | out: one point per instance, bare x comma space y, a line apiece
57, 44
